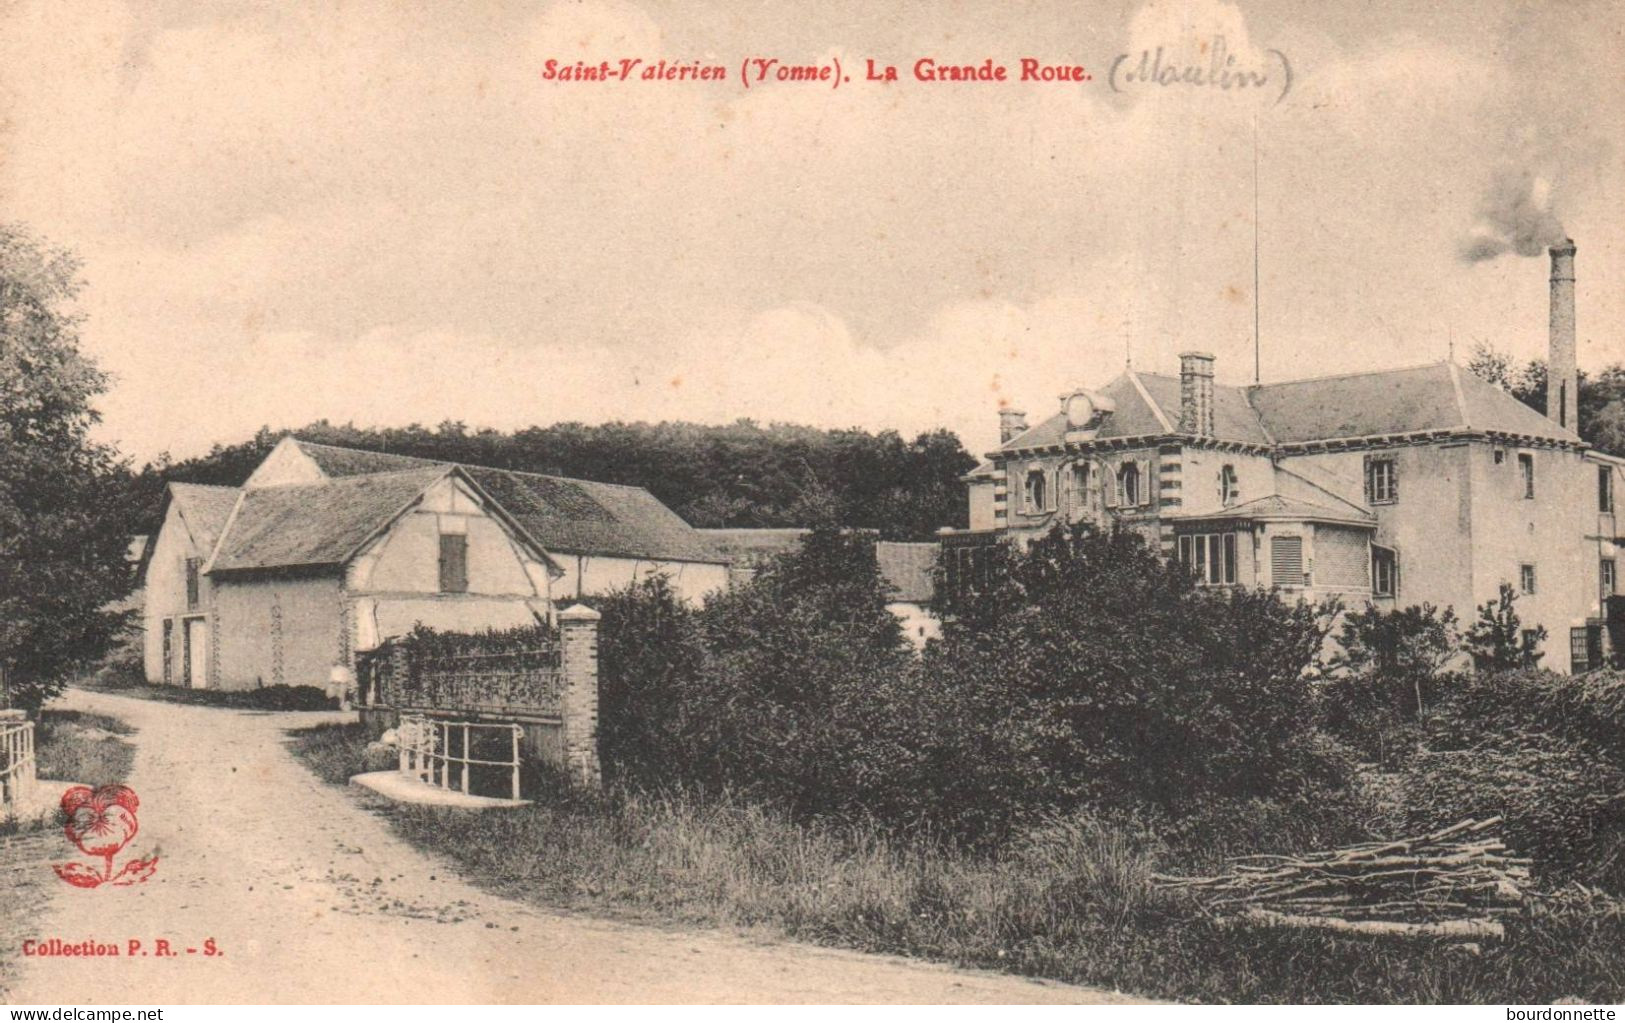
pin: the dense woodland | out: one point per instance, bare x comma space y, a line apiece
743, 474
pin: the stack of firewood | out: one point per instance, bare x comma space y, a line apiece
1455, 883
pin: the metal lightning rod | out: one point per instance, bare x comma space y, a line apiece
1258, 357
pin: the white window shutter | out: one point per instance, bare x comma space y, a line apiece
1146, 496
1108, 484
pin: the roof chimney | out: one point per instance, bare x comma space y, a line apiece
1012, 423
1562, 372
1196, 393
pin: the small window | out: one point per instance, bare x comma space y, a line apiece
453, 563
1286, 561
1128, 484
194, 567
1526, 578
1384, 572
1037, 487
1605, 489
1500, 455
1526, 467
1382, 481
1229, 488
1605, 573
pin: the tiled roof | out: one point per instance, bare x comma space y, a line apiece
1360, 405
1277, 507
1381, 403
205, 510
1234, 418
909, 570
581, 517
337, 462
753, 546
316, 524
1133, 418
1490, 408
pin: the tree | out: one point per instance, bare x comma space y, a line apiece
63, 527
1401, 649
1498, 641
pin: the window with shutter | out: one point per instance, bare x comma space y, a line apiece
1286, 560
1146, 496
169, 651
1129, 484
453, 563
194, 568
1108, 486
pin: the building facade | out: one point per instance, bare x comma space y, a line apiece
1411, 486
328, 551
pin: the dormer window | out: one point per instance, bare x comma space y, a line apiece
1229, 487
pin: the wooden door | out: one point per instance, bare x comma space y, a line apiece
197, 653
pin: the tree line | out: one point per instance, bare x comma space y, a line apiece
743, 474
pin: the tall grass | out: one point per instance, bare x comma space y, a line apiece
1070, 899
74, 746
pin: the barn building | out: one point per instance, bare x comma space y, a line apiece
325, 551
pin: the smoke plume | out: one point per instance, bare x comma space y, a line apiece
1515, 215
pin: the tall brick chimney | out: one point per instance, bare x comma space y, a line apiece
1562, 370
1196, 393
1012, 422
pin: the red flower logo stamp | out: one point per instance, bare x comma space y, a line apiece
101, 823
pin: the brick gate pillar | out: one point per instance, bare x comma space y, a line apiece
578, 642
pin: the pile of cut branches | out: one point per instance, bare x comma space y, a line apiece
1455, 883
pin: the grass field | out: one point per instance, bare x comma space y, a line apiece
1071, 901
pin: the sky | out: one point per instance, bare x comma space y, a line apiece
381, 213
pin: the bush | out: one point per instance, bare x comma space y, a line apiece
1545, 751
1100, 675
285, 697
1563, 807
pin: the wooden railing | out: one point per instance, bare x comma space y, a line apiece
428, 753
18, 770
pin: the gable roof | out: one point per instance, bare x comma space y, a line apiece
337, 462
1419, 399
581, 517
908, 569
316, 524
206, 510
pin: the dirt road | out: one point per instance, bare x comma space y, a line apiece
310, 898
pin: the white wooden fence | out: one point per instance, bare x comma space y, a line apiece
18, 770
427, 750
